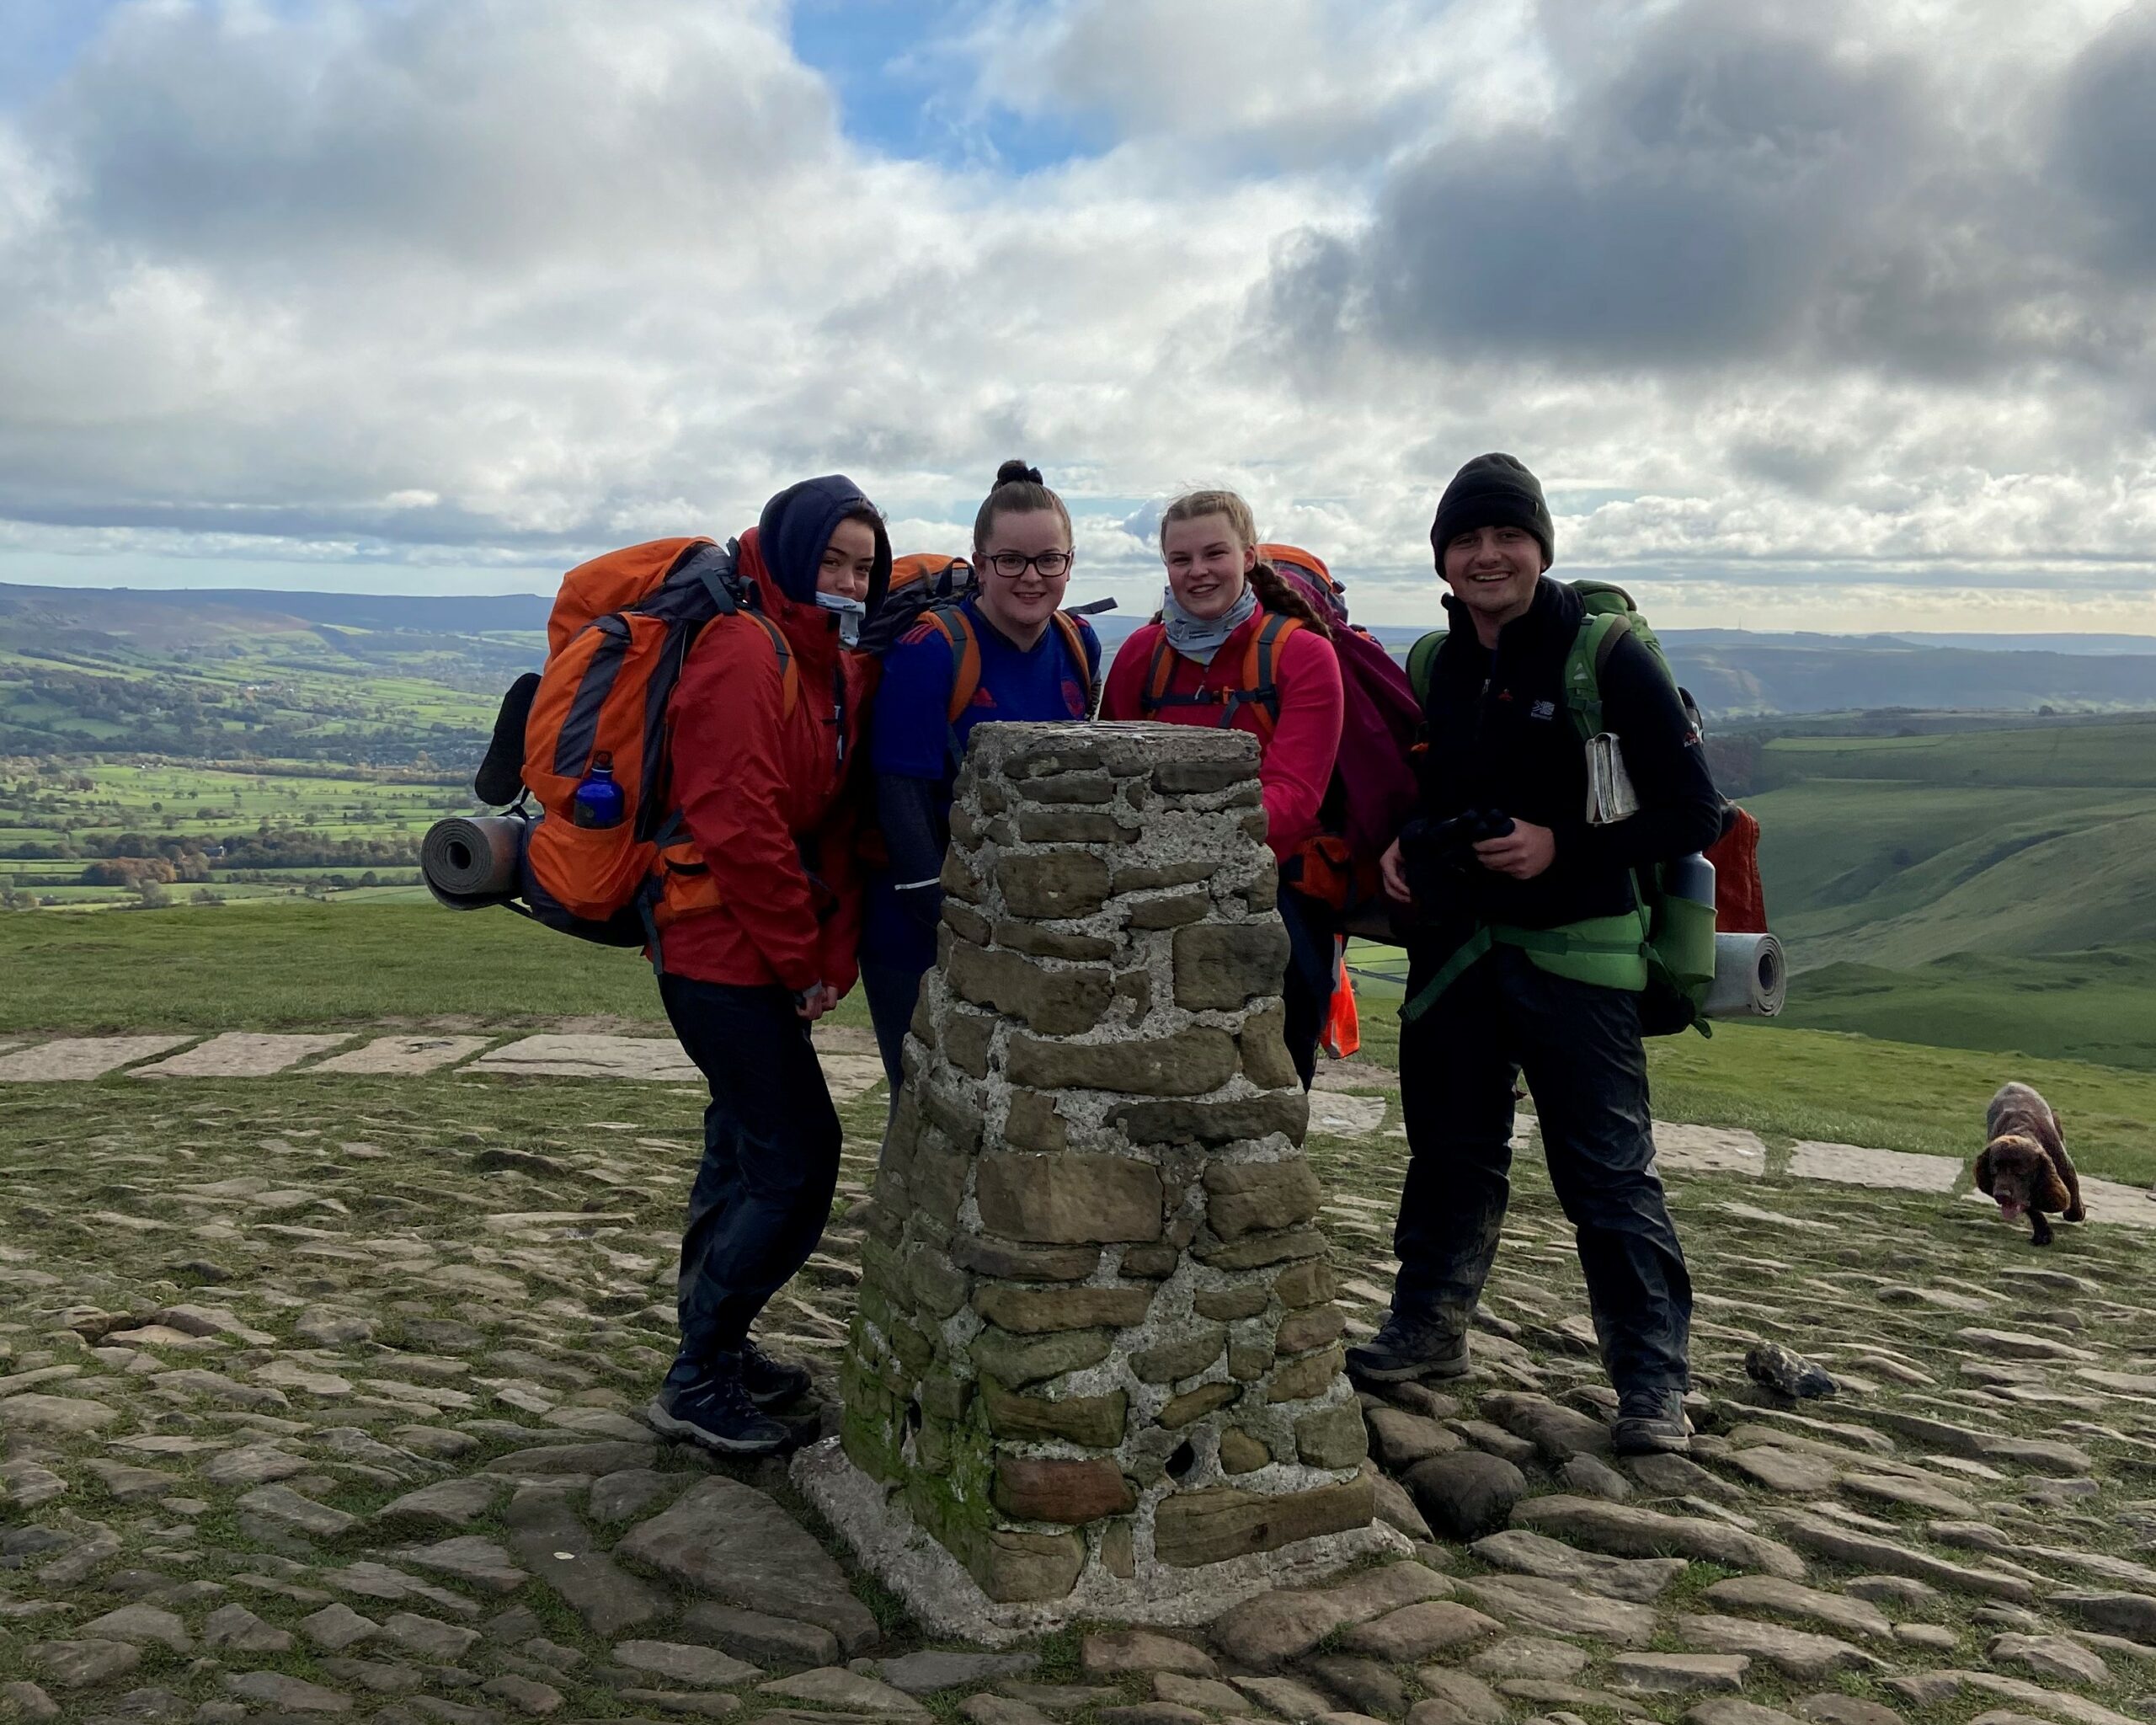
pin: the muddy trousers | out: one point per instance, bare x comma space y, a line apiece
771, 1162
1579, 1047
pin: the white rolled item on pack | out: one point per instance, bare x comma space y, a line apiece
1751, 977
472, 861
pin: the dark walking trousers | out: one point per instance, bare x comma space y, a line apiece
1306, 989
893, 991
771, 1159
1579, 1046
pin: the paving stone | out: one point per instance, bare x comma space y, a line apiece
446, 1503
1115, 1652
1795, 1652
1726, 1710
283, 1505
1851, 1164
1558, 1433
1202, 1694
289, 1694
551, 1543
1399, 1439
1678, 1673
429, 1638
337, 1626
1624, 1530
140, 1623
1001, 1710
1638, 1579
55, 1416
700, 1668
764, 1640
1456, 1697
1418, 1630
924, 1673
730, 1541
1531, 1602
80, 1664
625, 1495
1833, 1708
1530, 1656
1274, 1629
645, 1058
1365, 1684
236, 1627
402, 1055
1849, 1546
1465, 1494
835, 1686
468, 1558
76, 1059
1777, 1597
240, 1054
1283, 1696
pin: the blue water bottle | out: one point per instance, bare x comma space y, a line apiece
599, 801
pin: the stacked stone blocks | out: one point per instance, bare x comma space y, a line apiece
1096, 1336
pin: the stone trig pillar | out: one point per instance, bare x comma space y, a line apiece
1095, 1369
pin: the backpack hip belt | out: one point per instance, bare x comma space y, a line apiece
1610, 951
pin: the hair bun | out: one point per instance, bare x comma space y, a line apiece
1016, 473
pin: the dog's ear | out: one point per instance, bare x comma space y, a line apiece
1983, 1172
2055, 1197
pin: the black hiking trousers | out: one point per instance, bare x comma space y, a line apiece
1579, 1046
771, 1162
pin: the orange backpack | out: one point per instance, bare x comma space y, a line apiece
617, 638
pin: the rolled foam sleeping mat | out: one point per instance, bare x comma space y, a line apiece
472, 861
1751, 977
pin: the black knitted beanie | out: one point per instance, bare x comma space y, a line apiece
1492, 491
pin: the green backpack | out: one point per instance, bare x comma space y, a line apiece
1665, 950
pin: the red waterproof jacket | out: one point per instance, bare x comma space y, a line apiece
1296, 766
771, 800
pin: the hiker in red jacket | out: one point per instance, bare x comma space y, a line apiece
1235, 645
769, 798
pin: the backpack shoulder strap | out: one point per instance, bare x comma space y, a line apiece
1261, 687
1160, 669
1599, 633
1422, 666
1073, 643
789, 675
965, 657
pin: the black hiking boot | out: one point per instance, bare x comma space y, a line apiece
714, 1410
1410, 1349
771, 1383
1651, 1423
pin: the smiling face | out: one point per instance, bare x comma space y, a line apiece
1021, 606
1208, 565
849, 561
1492, 571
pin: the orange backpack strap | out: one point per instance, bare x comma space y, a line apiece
1160, 672
1073, 643
965, 657
1261, 660
789, 676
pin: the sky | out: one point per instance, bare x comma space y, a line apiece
1819, 315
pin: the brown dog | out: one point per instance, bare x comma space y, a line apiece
2025, 1165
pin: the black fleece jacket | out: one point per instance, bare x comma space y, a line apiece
1500, 736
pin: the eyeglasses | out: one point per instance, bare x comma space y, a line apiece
1012, 564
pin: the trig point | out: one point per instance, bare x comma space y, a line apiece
1095, 1369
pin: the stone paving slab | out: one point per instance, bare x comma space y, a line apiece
1709, 1149
1342, 1115
72, 1058
1853, 1165
243, 1054
657, 1059
403, 1054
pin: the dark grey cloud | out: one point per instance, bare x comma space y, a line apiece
1738, 186
2107, 133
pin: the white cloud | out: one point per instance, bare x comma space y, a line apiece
484, 284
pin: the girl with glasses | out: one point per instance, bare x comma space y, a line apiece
1032, 665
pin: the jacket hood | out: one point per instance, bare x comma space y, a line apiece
796, 527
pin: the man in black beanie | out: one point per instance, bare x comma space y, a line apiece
1524, 954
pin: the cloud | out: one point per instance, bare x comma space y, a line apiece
1808, 294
